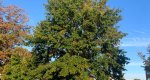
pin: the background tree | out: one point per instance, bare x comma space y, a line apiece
83, 28
146, 60
12, 29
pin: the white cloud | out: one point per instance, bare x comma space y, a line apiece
133, 76
139, 32
135, 42
135, 64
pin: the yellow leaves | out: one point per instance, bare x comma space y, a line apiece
102, 12
21, 52
87, 5
62, 32
1, 36
74, 43
2, 55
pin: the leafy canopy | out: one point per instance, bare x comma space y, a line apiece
85, 28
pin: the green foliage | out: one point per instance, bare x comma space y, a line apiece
82, 38
19, 66
85, 28
67, 67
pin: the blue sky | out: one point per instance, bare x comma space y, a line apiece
136, 17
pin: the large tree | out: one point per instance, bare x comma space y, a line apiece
84, 29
